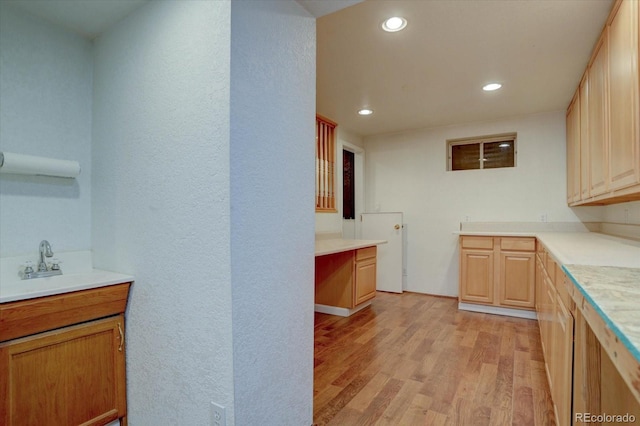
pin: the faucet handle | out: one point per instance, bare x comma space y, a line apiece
28, 267
55, 264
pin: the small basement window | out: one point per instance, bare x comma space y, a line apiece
482, 152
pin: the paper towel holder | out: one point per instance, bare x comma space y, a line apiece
11, 163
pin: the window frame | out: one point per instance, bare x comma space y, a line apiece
481, 140
326, 157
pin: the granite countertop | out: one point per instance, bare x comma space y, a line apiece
337, 245
614, 293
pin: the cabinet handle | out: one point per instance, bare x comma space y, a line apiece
121, 338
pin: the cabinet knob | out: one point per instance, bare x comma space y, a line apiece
396, 227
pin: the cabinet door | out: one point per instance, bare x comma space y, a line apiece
573, 150
539, 288
598, 134
517, 279
585, 165
71, 376
476, 276
365, 287
624, 142
563, 359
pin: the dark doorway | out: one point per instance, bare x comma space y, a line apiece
348, 186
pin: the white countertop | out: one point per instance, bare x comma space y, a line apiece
39, 287
590, 248
580, 248
337, 245
77, 274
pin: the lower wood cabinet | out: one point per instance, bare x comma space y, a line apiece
346, 279
498, 271
71, 376
555, 312
365, 275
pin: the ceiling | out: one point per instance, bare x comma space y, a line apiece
88, 18
431, 73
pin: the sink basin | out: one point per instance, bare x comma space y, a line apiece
39, 287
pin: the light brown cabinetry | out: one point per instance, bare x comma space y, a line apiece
609, 117
598, 386
497, 271
346, 279
365, 279
72, 375
624, 149
573, 150
598, 134
555, 318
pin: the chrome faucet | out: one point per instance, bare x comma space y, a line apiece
45, 250
43, 268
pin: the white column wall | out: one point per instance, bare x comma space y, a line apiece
161, 203
272, 205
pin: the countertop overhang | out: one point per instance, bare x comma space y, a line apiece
338, 245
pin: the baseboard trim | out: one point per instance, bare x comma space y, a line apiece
497, 310
342, 312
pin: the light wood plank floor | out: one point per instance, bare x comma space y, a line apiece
413, 359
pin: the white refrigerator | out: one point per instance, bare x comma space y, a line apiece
390, 262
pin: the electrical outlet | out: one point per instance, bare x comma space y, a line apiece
218, 417
544, 217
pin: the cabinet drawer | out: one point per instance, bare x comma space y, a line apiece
518, 244
477, 242
26, 317
366, 253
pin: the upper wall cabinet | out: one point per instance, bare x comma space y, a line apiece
603, 120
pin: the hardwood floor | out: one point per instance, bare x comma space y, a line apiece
413, 359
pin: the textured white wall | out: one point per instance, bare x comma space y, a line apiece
45, 87
623, 213
407, 172
272, 223
161, 203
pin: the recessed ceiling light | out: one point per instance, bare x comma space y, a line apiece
393, 24
491, 87
365, 111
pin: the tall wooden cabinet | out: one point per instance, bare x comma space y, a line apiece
608, 100
624, 157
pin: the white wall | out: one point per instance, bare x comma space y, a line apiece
272, 222
332, 222
161, 203
407, 172
627, 213
45, 85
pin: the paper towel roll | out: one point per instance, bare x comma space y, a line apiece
31, 165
